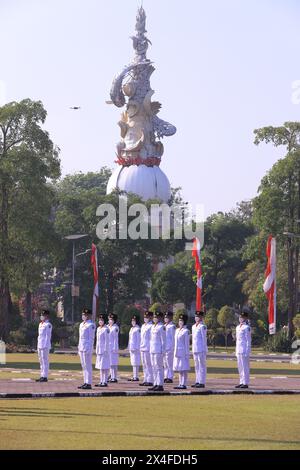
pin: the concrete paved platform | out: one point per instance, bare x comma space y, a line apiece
28, 388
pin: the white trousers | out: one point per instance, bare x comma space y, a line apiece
244, 368
200, 367
135, 372
113, 372
157, 361
168, 364
147, 366
183, 378
103, 376
86, 364
44, 361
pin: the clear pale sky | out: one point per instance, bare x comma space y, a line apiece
223, 68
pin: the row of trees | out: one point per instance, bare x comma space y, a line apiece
38, 209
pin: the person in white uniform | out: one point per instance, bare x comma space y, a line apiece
170, 342
87, 331
199, 349
243, 348
44, 345
157, 351
113, 347
182, 352
134, 345
145, 350
102, 351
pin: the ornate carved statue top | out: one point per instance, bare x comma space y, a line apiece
141, 128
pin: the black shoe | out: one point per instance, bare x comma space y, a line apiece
87, 387
39, 380
195, 385
200, 386
239, 386
153, 389
113, 381
168, 381
244, 386
134, 379
149, 384
98, 385
180, 387
144, 384
159, 388
104, 385
43, 379
82, 386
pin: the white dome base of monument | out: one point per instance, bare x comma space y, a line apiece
147, 182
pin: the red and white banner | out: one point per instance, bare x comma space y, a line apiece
270, 283
198, 268
94, 263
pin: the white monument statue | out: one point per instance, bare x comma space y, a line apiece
140, 150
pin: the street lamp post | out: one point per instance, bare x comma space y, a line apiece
74, 238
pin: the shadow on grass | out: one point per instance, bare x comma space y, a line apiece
40, 413
168, 437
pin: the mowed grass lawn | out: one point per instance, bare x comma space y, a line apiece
185, 422
161, 423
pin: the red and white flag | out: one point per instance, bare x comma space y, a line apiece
94, 263
270, 283
198, 268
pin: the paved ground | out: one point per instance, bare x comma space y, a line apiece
17, 377
64, 386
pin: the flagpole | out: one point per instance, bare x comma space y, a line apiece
269, 286
198, 268
94, 263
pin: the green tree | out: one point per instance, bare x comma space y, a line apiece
211, 318
225, 236
211, 321
172, 285
29, 162
226, 320
277, 208
125, 265
156, 307
296, 323
179, 311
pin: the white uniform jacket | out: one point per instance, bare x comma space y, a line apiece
199, 338
86, 336
44, 337
170, 336
182, 343
134, 342
145, 336
114, 338
158, 339
243, 339
102, 344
